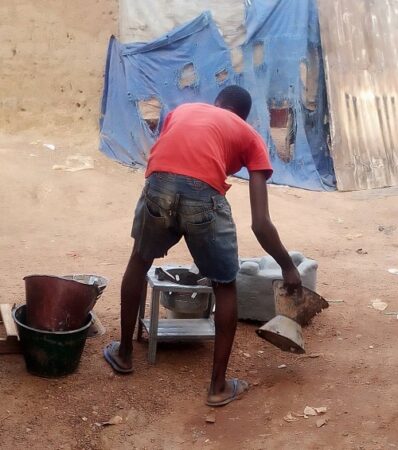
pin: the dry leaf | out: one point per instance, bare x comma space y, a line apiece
309, 411
379, 305
321, 422
247, 355
289, 418
116, 420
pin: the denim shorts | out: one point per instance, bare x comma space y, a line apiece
172, 206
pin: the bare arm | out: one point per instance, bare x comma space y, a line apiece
265, 231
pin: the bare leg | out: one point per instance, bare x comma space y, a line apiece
225, 322
132, 286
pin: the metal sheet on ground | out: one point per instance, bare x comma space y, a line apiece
361, 62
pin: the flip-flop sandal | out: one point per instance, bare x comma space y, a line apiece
108, 355
239, 387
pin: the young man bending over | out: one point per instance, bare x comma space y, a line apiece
184, 196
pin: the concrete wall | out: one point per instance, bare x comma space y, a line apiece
52, 57
144, 20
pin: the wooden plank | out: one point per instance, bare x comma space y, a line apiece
8, 321
10, 344
183, 329
361, 64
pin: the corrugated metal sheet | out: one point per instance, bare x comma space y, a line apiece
359, 41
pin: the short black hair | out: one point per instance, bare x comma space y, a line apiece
236, 99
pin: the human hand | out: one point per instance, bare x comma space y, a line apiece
292, 280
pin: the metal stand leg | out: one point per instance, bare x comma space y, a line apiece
210, 306
141, 312
153, 328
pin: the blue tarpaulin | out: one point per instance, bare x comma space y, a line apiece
281, 56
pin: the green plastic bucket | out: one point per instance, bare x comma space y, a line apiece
50, 353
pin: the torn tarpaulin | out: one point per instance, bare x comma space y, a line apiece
279, 60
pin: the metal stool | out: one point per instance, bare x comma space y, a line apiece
167, 330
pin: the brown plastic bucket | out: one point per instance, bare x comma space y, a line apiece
60, 303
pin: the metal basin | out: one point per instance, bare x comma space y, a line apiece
187, 304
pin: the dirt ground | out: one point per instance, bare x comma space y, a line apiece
59, 222
56, 222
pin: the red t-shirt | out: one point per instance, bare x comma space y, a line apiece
207, 143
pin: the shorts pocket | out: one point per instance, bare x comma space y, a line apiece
203, 229
153, 209
154, 216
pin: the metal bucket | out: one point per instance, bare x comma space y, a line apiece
293, 311
284, 333
61, 303
50, 354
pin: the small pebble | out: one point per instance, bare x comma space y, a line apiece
211, 417
321, 422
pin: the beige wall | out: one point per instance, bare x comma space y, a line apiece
52, 57
143, 20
